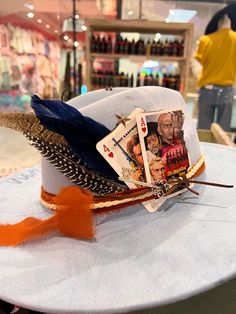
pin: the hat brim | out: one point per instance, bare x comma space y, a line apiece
133, 249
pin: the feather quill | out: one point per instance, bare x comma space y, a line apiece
23, 122
80, 132
73, 168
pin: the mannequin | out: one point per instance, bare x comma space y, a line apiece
216, 53
224, 22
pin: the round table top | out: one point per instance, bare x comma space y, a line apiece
16, 153
139, 260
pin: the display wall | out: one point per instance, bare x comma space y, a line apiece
29, 63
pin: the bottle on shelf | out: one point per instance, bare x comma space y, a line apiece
171, 81
121, 45
170, 48
159, 48
132, 47
150, 80
140, 49
180, 48
148, 48
126, 46
126, 80
175, 47
181, 53
94, 78
131, 81
166, 48
103, 45
164, 80
153, 48
145, 82
138, 83
109, 44
93, 43
177, 81
97, 44
122, 80
117, 44
156, 80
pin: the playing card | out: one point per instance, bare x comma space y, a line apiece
121, 148
148, 149
162, 142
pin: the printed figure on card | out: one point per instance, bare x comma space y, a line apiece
122, 150
163, 147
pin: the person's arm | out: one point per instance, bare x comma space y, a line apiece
201, 49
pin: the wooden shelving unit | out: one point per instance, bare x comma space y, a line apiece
138, 57
185, 30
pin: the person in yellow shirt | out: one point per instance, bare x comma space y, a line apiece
217, 54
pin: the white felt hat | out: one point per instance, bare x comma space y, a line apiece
102, 105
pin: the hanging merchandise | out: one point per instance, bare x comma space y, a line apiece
29, 63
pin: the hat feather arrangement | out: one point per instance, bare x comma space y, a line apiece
23, 122
80, 132
74, 168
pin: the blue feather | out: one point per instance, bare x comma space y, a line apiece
80, 132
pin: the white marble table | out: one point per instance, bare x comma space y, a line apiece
139, 260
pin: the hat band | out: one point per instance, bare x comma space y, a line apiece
119, 200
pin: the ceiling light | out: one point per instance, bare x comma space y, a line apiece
182, 16
56, 31
65, 37
84, 28
47, 26
68, 25
30, 15
76, 16
39, 21
29, 6
76, 44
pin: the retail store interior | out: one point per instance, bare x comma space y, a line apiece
43, 41
61, 49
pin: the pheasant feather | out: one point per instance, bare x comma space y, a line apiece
23, 122
73, 168
80, 132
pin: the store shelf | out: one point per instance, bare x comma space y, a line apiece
185, 30
139, 58
140, 26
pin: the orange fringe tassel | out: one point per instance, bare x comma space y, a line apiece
73, 218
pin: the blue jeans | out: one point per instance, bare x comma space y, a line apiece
215, 105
